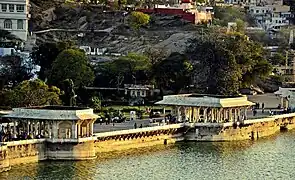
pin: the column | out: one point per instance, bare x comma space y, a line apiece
218, 115
245, 113
178, 113
48, 129
78, 130
192, 115
88, 128
28, 127
197, 115
14, 127
91, 127
205, 115
235, 115
36, 129
54, 130
230, 114
74, 130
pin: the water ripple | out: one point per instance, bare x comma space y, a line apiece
269, 158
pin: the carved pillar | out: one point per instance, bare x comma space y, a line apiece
54, 130
74, 130
178, 113
205, 115
197, 116
192, 115
14, 126
36, 129
28, 126
91, 127
78, 129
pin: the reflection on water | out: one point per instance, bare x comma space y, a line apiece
269, 158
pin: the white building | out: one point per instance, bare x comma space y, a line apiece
14, 15
271, 17
254, 2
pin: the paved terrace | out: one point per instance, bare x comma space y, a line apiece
270, 100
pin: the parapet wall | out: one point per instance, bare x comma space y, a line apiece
26, 151
249, 130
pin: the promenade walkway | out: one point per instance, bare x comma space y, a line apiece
270, 100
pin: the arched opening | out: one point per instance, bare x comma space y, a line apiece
65, 130
7, 24
84, 129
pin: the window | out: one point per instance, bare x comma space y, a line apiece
8, 24
20, 24
257, 11
138, 93
20, 8
11, 7
4, 7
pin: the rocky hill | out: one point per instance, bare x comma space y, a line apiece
97, 27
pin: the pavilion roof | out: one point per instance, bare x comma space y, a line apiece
51, 114
205, 101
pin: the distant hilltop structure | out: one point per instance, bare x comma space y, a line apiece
14, 16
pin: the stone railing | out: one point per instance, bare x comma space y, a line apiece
250, 121
132, 131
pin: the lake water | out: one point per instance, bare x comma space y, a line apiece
269, 158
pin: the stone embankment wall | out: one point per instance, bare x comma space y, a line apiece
70, 151
249, 130
21, 152
138, 138
27, 151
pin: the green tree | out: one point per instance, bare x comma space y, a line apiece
226, 62
130, 69
14, 70
277, 59
139, 19
173, 73
240, 25
71, 64
224, 15
33, 93
46, 53
95, 103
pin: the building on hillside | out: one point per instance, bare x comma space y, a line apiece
186, 9
271, 17
14, 16
254, 2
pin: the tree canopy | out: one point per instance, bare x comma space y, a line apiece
139, 19
13, 70
32, 93
71, 64
129, 69
46, 53
174, 72
227, 62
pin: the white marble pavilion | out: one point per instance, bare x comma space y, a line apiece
55, 122
196, 108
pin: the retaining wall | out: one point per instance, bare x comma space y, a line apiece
249, 130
